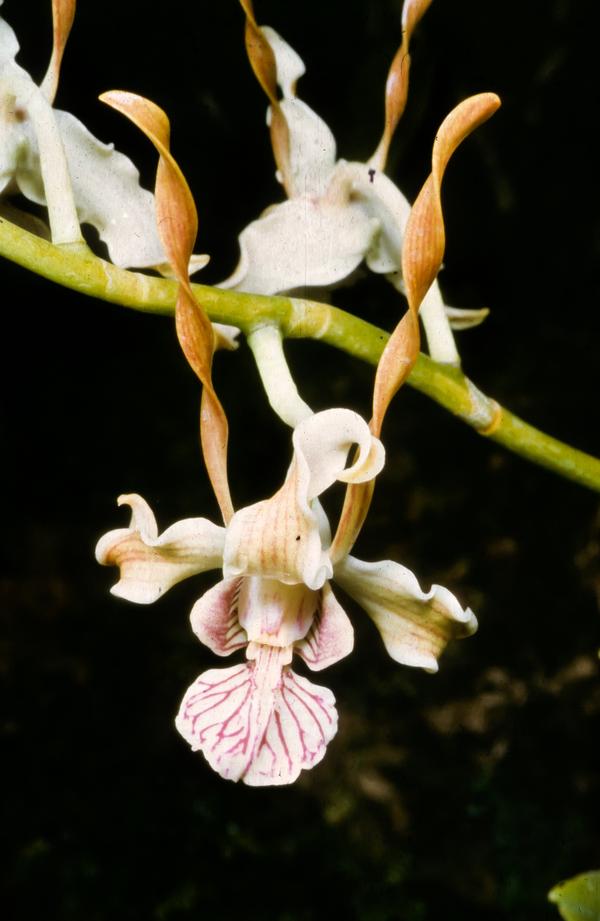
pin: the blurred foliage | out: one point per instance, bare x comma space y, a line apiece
578, 899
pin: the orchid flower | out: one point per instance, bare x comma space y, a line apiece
338, 214
51, 158
259, 721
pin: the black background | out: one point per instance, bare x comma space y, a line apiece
465, 795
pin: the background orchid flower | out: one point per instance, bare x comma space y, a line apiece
51, 158
338, 214
259, 721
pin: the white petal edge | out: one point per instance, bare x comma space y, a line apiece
151, 564
107, 194
312, 150
415, 625
290, 66
321, 445
301, 243
461, 318
9, 44
381, 200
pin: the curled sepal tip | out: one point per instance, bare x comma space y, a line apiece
264, 64
423, 251
63, 14
176, 213
396, 87
177, 221
425, 239
422, 254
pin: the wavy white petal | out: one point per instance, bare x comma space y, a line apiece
301, 243
289, 64
9, 44
415, 625
312, 150
150, 564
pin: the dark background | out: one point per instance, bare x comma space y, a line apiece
464, 795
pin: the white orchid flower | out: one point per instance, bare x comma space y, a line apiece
51, 158
258, 721
338, 214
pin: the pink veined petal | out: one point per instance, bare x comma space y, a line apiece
215, 620
258, 722
303, 722
218, 716
331, 636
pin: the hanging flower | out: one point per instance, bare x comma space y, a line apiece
260, 721
338, 213
51, 158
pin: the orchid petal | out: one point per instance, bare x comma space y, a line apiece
105, 188
16, 140
322, 442
303, 722
150, 563
226, 336
301, 243
218, 717
288, 63
461, 318
275, 614
215, 619
108, 196
331, 636
382, 201
258, 722
105, 183
280, 537
32, 136
303, 144
312, 150
415, 626
9, 44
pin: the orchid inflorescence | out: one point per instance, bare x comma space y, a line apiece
258, 720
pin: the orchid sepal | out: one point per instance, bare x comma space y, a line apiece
151, 564
415, 626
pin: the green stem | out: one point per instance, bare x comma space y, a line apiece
74, 266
